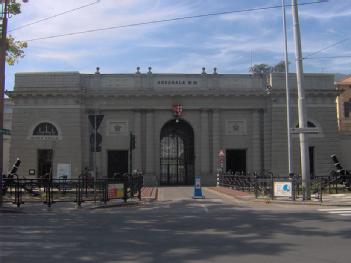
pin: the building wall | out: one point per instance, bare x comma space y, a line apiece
8, 105
224, 111
344, 88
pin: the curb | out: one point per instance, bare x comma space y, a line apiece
283, 202
10, 211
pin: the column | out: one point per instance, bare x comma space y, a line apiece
137, 132
256, 141
216, 138
150, 171
204, 145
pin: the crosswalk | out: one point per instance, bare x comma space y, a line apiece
342, 211
342, 200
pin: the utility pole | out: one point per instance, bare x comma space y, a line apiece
288, 106
3, 48
305, 162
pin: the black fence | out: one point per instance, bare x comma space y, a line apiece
262, 184
49, 191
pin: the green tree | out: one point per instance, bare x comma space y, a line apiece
265, 69
14, 49
280, 67
260, 69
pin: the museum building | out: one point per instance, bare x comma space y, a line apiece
170, 127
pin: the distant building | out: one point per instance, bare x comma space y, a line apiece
343, 102
7, 138
176, 124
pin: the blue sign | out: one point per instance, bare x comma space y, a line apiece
197, 188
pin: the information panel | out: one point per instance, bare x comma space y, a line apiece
282, 189
115, 191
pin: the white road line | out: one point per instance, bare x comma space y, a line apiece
205, 208
338, 212
335, 209
345, 214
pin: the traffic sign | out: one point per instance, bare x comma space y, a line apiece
221, 153
5, 131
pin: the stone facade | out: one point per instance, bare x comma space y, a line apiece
230, 112
7, 138
343, 102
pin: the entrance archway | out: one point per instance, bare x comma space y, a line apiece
177, 153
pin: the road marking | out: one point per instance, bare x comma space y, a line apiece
343, 211
335, 209
205, 208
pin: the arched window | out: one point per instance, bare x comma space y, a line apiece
45, 129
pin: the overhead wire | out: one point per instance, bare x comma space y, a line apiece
168, 20
329, 57
53, 16
327, 47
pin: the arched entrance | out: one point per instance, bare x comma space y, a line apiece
177, 153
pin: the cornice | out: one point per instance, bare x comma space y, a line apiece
139, 93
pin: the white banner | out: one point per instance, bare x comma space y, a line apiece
282, 189
63, 170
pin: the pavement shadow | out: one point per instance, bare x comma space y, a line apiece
179, 231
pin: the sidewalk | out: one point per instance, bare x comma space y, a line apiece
149, 193
343, 199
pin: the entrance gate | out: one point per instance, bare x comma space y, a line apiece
177, 153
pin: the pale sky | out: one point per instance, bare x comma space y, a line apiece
229, 42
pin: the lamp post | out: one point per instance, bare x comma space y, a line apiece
3, 49
288, 107
305, 165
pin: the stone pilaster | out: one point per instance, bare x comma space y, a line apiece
215, 138
150, 147
205, 160
256, 141
137, 133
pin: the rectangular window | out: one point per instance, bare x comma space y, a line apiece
117, 163
311, 154
346, 109
45, 163
236, 160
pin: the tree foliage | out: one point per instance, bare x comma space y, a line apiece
14, 8
280, 67
261, 69
14, 49
265, 69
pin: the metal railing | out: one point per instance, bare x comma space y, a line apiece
262, 184
83, 189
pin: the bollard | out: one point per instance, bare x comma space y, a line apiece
78, 192
105, 195
17, 194
272, 187
293, 188
139, 187
1, 188
125, 189
320, 191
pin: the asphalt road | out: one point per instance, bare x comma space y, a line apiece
176, 229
